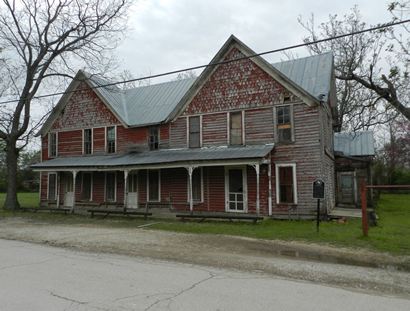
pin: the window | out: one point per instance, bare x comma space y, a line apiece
153, 186
286, 184
110, 187
194, 132
52, 186
86, 186
110, 137
284, 124
153, 141
235, 128
196, 185
87, 141
52, 144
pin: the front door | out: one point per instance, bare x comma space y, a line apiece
132, 197
346, 188
235, 189
68, 190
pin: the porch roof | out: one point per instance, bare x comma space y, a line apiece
158, 157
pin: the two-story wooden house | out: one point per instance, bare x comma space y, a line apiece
245, 136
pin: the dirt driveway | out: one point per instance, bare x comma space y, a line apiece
286, 259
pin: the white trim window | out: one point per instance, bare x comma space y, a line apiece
284, 124
52, 186
110, 136
236, 128
110, 186
286, 183
197, 186
194, 132
153, 185
52, 144
87, 186
88, 141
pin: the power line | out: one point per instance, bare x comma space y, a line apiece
378, 27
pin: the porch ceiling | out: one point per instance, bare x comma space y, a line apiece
159, 157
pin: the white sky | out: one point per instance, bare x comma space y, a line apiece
166, 35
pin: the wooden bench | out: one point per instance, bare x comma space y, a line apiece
64, 210
230, 217
123, 212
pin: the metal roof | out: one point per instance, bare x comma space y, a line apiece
354, 144
153, 104
312, 73
166, 156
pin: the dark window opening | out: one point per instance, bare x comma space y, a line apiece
286, 181
86, 186
196, 185
284, 124
52, 186
153, 185
53, 144
88, 140
153, 140
194, 132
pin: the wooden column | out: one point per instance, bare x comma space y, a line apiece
270, 188
74, 179
191, 199
58, 189
257, 170
125, 189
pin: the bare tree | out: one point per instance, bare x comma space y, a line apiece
372, 81
43, 40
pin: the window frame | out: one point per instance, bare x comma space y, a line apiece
50, 155
55, 186
115, 186
91, 141
106, 139
291, 122
294, 177
149, 137
159, 186
189, 131
229, 117
200, 169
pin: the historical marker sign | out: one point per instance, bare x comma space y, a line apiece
318, 189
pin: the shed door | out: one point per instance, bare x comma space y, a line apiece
346, 188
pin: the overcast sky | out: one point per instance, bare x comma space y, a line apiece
173, 34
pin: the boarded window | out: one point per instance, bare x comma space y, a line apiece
194, 132
110, 139
86, 186
284, 123
153, 185
196, 185
235, 128
52, 144
286, 184
110, 187
88, 140
52, 186
153, 140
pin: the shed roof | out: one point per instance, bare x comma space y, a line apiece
354, 144
166, 156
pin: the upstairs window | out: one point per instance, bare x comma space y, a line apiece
88, 141
194, 132
110, 137
284, 124
52, 145
153, 139
235, 128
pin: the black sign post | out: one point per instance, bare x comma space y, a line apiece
318, 193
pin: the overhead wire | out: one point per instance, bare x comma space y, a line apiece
374, 28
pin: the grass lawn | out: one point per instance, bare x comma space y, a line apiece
391, 235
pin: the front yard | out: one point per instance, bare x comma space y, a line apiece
391, 235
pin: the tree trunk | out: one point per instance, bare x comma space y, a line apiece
12, 152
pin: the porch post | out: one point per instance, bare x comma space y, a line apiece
125, 189
58, 189
257, 169
270, 188
191, 200
74, 178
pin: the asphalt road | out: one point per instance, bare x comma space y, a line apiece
36, 277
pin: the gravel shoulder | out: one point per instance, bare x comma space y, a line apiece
347, 268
